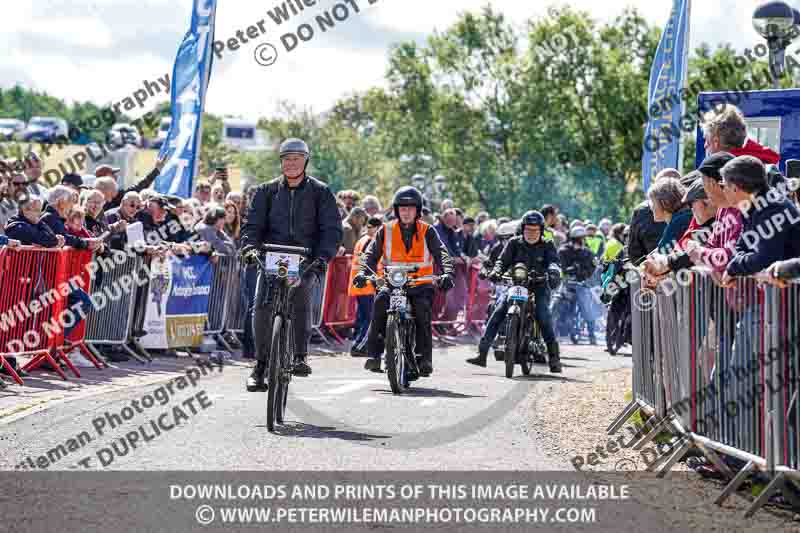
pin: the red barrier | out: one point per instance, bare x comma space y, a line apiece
30, 304
338, 307
447, 309
77, 274
478, 300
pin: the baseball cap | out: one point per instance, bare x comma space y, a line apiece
374, 222
72, 179
469, 220
695, 192
712, 164
106, 170
160, 200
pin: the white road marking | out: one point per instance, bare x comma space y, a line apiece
353, 385
427, 402
369, 399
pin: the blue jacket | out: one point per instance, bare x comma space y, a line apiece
771, 233
674, 231
56, 223
450, 239
28, 234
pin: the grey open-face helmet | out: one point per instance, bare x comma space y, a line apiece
295, 146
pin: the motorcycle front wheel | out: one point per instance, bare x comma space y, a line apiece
512, 344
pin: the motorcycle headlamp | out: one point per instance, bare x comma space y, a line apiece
398, 278
520, 273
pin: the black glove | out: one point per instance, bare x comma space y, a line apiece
446, 282
553, 279
360, 281
495, 276
313, 266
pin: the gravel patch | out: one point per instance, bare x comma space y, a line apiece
569, 421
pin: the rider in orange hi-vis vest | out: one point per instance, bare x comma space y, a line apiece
406, 241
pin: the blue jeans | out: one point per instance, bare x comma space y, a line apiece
248, 289
363, 317
81, 299
583, 296
541, 312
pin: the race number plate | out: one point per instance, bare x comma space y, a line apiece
519, 294
398, 302
291, 261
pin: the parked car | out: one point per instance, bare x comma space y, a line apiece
10, 128
163, 131
123, 133
46, 130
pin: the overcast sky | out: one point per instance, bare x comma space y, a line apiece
102, 50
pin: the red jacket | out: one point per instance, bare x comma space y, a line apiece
83, 233
751, 147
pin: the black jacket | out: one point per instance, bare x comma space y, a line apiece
537, 257
761, 243
471, 246
645, 232
304, 216
139, 187
494, 254
28, 234
436, 248
56, 223
119, 240
581, 258
96, 226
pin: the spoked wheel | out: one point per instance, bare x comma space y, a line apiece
395, 358
512, 332
275, 391
288, 359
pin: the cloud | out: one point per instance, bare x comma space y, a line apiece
101, 50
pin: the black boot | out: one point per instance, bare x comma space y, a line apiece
255, 383
301, 368
425, 366
373, 364
480, 360
555, 359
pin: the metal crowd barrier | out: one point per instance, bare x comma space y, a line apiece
718, 369
112, 325
221, 287
78, 275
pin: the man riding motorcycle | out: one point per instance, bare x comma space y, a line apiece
294, 209
406, 241
575, 254
538, 256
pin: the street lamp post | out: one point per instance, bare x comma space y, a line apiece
778, 23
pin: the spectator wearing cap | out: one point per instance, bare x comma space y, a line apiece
29, 229
644, 231
126, 212
110, 188
666, 196
699, 232
61, 201
353, 226
74, 182
470, 240
771, 230
717, 252
211, 231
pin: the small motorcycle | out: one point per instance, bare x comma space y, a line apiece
402, 366
524, 344
617, 295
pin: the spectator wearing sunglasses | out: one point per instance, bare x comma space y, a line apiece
130, 206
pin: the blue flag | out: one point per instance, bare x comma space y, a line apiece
190, 77
662, 136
